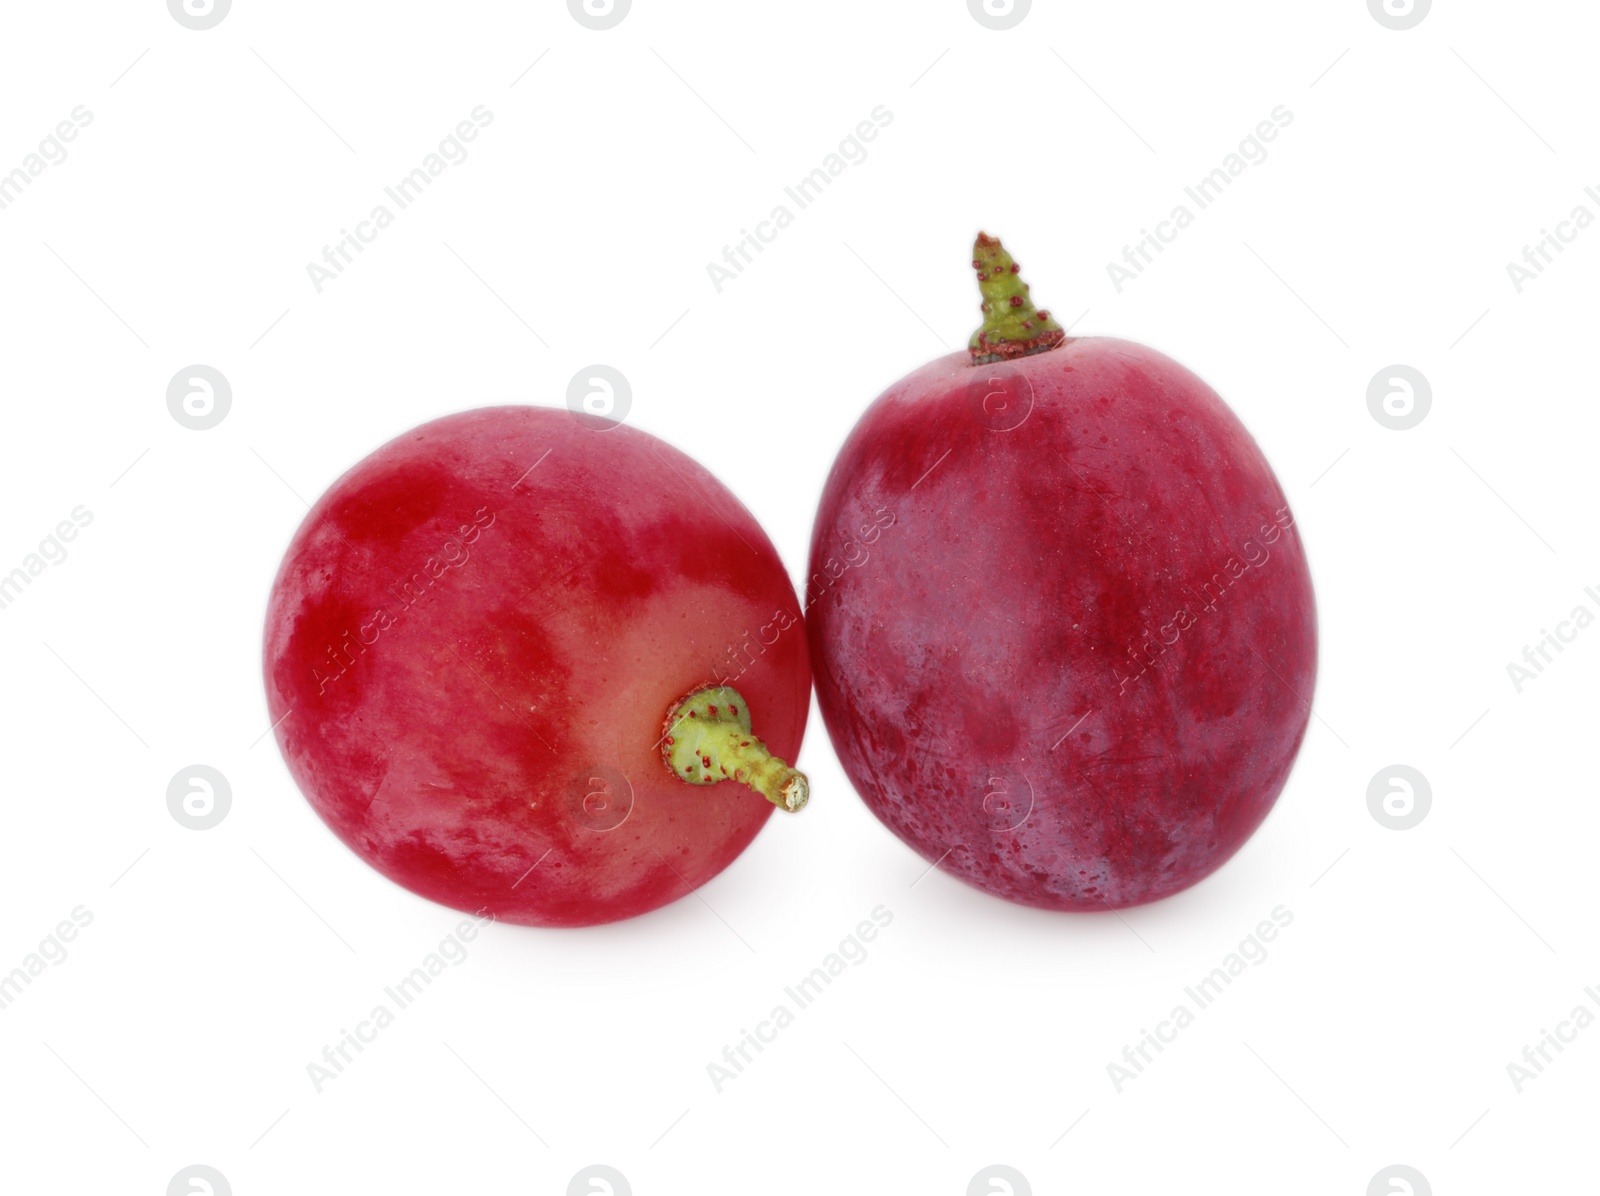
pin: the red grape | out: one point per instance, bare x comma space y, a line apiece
1060, 615
476, 641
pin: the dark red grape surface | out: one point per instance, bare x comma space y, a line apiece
1061, 623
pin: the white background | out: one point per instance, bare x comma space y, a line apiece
219, 963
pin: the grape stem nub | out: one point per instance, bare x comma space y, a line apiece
1011, 327
707, 740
